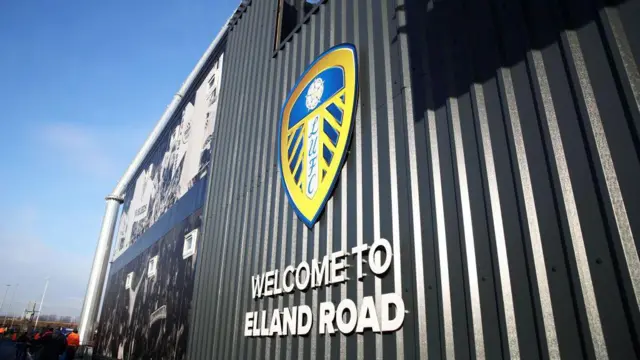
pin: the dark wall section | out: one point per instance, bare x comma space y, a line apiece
532, 104
496, 146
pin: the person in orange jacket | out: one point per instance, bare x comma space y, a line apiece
73, 342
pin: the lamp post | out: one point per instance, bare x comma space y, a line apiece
46, 284
9, 312
13, 297
4, 297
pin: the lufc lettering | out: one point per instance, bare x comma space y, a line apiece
346, 317
312, 157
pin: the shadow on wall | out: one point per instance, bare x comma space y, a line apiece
457, 44
464, 34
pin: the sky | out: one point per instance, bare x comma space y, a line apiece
82, 83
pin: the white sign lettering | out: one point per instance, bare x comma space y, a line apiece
345, 317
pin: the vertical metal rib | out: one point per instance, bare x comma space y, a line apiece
274, 235
343, 187
329, 210
393, 173
374, 164
343, 23
467, 222
332, 23
263, 234
281, 266
274, 243
343, 239
305, 231
442, 238
332, 42
498, 227
584, 273
421, 305
327, 337
319, 22
628, 61
265, 230
608, 168
358, 141
235, 312
239, 303
314, 296
294, 228
532, 218
305, 236
294, 244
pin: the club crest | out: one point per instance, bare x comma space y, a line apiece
315, 130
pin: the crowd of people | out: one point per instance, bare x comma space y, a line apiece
46, 344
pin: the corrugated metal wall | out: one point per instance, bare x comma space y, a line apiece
496, 145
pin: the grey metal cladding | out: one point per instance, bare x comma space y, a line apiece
496, 146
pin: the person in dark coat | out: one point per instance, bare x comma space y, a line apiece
53, 345
21, 346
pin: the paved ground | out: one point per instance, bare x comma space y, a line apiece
7, 350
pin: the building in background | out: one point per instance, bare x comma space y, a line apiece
494, 157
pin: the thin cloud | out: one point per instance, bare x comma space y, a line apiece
26, 261
79, 146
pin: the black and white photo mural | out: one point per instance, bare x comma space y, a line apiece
148, 319
145, 311
180, 160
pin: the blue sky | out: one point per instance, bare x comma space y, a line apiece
82, 83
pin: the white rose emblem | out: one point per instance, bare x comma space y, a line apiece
314, 94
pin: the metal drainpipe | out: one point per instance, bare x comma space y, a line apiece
101, 259
98, 269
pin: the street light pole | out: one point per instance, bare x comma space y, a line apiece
9, 312
13, 296
46, 284
3, 298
